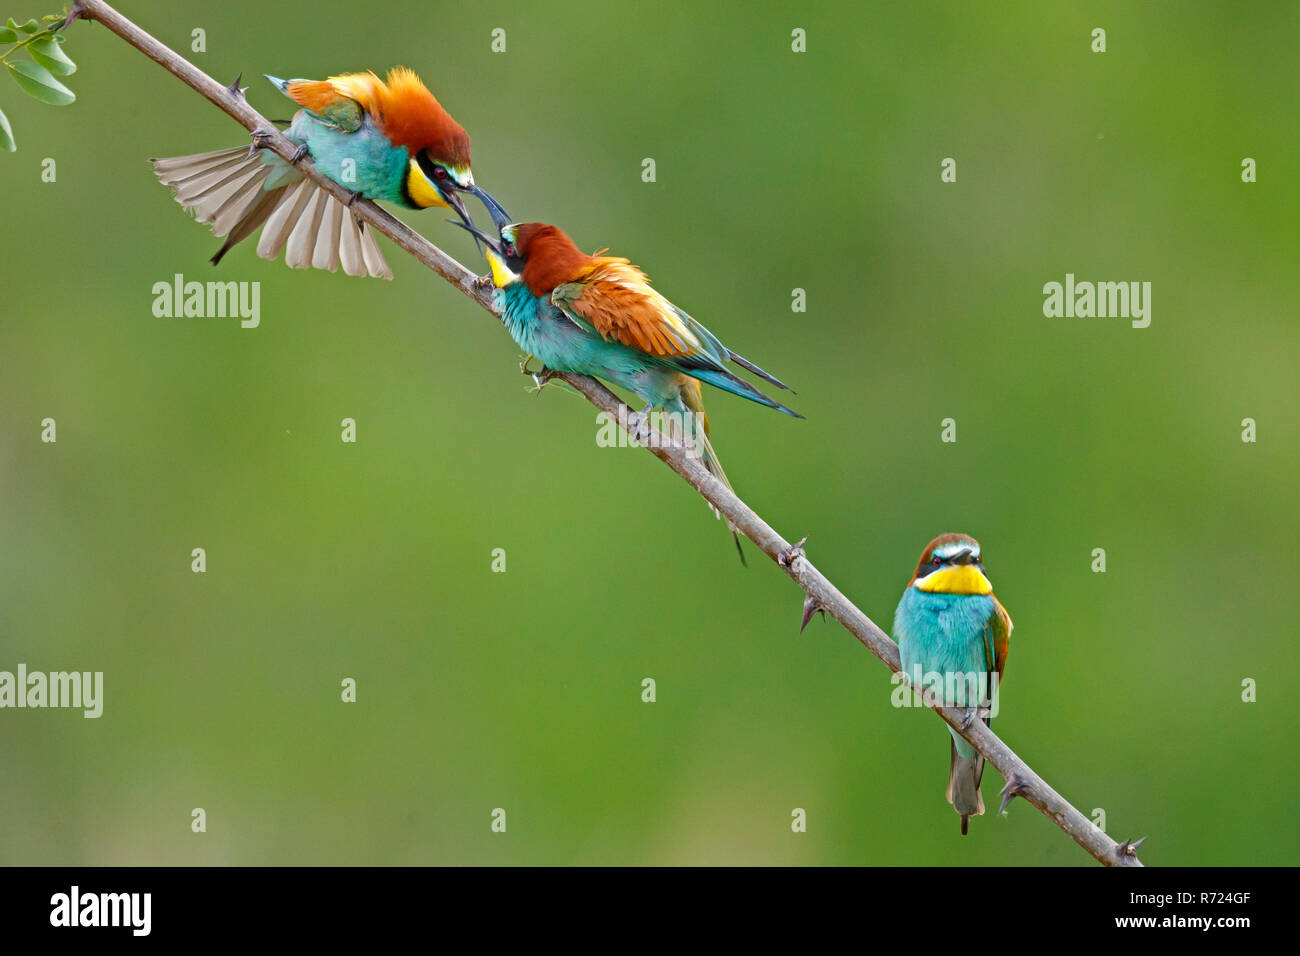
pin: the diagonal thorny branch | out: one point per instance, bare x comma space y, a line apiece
820, 592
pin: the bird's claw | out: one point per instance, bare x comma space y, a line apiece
483, 282
540, 377
1129, 847
638, 425
352, 196
262, 137
1014, 788
302, 151
786, 556
972, 713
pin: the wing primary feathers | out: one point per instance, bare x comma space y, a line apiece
729, 382
248, 224
238, 194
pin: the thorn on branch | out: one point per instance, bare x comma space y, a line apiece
261, 137
235, 90
1129, 848
77, 12
1015, 787
786, 556
810, 607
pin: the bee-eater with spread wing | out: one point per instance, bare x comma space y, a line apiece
952, 637
384, 140
598, 315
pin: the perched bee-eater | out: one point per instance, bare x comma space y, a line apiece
381, 140
952, 637
598, 315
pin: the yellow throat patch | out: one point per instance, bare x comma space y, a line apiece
962, 579
421, 189
501, 274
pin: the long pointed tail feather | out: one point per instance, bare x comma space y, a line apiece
237, 194
693, 399
738, 386
766, 376
963, 791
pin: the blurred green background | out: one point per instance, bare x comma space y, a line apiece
522, 690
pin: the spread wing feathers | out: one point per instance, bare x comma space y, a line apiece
615, 300
331, 102
238, 194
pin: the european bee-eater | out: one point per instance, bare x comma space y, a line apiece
598, 315
952, 637
382, 140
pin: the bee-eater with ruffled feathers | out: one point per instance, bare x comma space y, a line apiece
953, 636
598, 315
383, 140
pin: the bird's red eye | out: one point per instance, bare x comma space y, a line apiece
937, 561
510, 250
439, 172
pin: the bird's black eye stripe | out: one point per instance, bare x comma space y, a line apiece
429, 167
938, 562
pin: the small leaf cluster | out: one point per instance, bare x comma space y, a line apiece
35, 59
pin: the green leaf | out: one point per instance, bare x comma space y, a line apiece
31, 26
47, 53
36, 81
7, 35
6, 134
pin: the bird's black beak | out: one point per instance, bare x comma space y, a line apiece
457, 204
498, 213
492, 242
965, 556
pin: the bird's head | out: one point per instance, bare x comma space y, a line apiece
532, 252
432, 179
438, 170
951, 564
